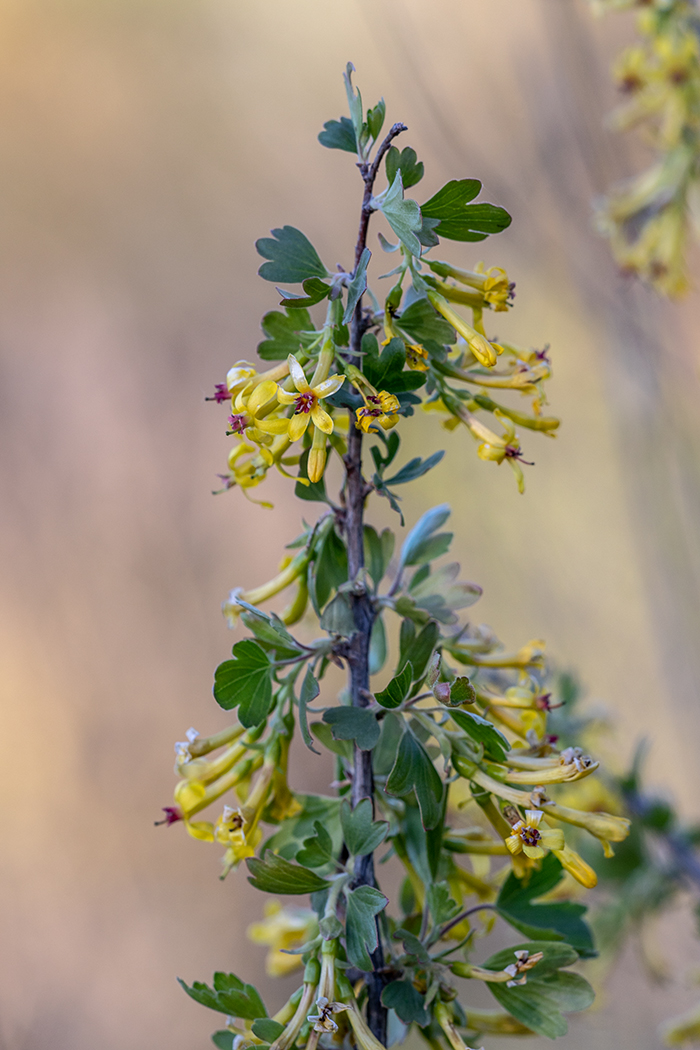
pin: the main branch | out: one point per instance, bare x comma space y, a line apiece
363, 610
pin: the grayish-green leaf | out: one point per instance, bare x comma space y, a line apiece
292, 257
407, 163
361, 833
432, 547
338, 134
245, 682
283, 331
357, 286
267, 1029
459, 220
414, 769
353, 723
324, 734
484, 732
421, 322
424, 527
403, 216
229, 995
415, 468
338, 616
377, 646
397, 690
309, 691
317, 851
421, 649
407, 1001
363, 904
274, 874
354, 101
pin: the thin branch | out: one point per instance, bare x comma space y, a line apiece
464, 915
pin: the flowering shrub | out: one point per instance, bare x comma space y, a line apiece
444, 763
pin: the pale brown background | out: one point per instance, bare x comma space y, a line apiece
144, 145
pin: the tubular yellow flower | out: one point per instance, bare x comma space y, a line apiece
443, 1016
283, 929
577, 867
290, 1033
379, 410
306, 401
296, 568
417, 357
482, 349
529, 839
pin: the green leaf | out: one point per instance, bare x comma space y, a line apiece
407, 163
416, 468
353, 723
442, 907
384, 754
421, 322
413, 946
377, 646
315, 491
292, 256
363, 904
414, 769
421, 649
462, 691
330, 568
407, 1001
229, 996
245, 682
338, 617
274, 874
424, 527
338, 134
397, 690
317, 851
460, 221
292, 832
354, 102
267, 1029
283, 333
270, 632
385, 371
432, 547
309, 691
315, 291
375, 118
539, 1003
358, 285
549, 921
324, 734
404, 216
481, 730
362, 835
223, 1039
378, 552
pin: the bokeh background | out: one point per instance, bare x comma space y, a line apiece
144, 146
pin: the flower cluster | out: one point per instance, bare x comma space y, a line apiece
647, 218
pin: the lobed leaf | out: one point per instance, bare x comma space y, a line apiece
274, 874
292, 257
245, 682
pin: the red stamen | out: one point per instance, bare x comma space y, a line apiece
172, 815
304, 403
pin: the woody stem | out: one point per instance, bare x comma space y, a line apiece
363, 610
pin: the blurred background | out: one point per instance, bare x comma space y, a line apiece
144, 146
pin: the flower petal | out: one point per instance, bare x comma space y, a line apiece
514, 843
272, 426
297, 374
298, 424
533, 852
285, 397
533, 817
262, 393
552, 838
329, 386
321, 419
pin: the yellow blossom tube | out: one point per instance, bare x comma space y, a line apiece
481, 348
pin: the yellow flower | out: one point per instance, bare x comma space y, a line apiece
295, 568
576, 866
253, 414
379, 409
484, 351
498, 448
528, 839
306, 401
417, 357
281, 930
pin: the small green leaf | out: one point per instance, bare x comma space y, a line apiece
462, 691
422, 648
377, 646
357, 286
223, 1039
330, 567
324, 734
229, 996
292, 256
414, 769
432, 547
484, 732
245, 682
407, 163
274, 874
375, 118
460, 221
317, 851
309, 691
404, 216
338, 617
315, 491
424, 527
283, 331
354, 102
549, 921
267, 1029
407, 1001
362, 835
421, 322
397, 690
338, 134
442, 907
378, 552
353, 723
413, 946
315, 291
363, 904
416, 468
